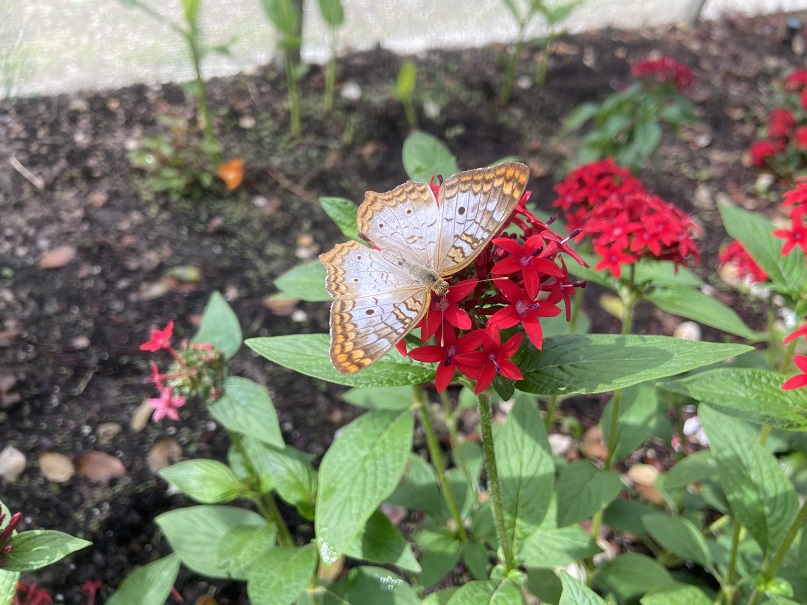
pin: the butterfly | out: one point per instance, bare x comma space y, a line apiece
381, 293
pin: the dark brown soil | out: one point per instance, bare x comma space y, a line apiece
69, 358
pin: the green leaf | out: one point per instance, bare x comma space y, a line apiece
695, 305
281, 574
787, 273
488, 592
761, 496
359, 470
627, 515
755, 395
631, 575
306, 281
595, 363
219, 327
190, 10
418, 490
425, 156
8, 586
579, 116
407, 80
373, 585
288, 470
646, 137
440, 551
206, 481
577, 593
548, 548
148, 585
39, 548
342, 212
526, 470
197, 531
381, 542
583, 490
332, 12
639, 417
380, 398
677, 594
308, 354
242, 546
284, 15
695, 467
680, 537
245, 407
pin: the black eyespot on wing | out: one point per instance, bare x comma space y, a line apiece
461, 210
380, 225
370, 311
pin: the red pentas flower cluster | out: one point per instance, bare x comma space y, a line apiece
519, 278
28, 594
624, 221
664, 70
796, 202
587, 187
197, 370
784, 147
743, 266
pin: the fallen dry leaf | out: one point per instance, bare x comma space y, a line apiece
282, 307
99, 466
232, 173
164, 453
12, 463
644, 478
593, 444
56, 467
57, 257
141, 416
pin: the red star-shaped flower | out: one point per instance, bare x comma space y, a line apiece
483, 366
802, 331
444, 309
166, 404
522, 309
445, 353
795, 236
160, 339
526, 259
799, 380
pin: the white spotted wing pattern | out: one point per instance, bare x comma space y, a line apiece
381, 293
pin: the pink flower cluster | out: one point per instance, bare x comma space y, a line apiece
624, 221
664, 70
519, 278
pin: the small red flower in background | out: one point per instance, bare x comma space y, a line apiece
802, 331
763, 151
744, 266
166, 404
160, 339
588, 186
493, 360
28, 594
800, 138
781, 123
664, 70
796, 81
799, 380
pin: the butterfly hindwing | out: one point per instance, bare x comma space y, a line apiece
376, 304
403, 220
474, 206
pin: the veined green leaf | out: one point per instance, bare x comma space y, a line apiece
148, 585
306, 281
219, 327
38, 548
577, 593
342, 212
282, 574
631, 575
359, 470
245, 407
583, 490
425, 156
206, 481
680, 537
695, 305
308, 354
595, 363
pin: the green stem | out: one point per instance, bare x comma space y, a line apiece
543, 64
577, 307
769, 568
330, 74
551, 410
494, 489
265, 503
294, 97
203, 118
731, 569
510, 76
437, 460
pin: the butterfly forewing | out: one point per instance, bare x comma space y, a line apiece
376, 303
403, 221
473, 207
